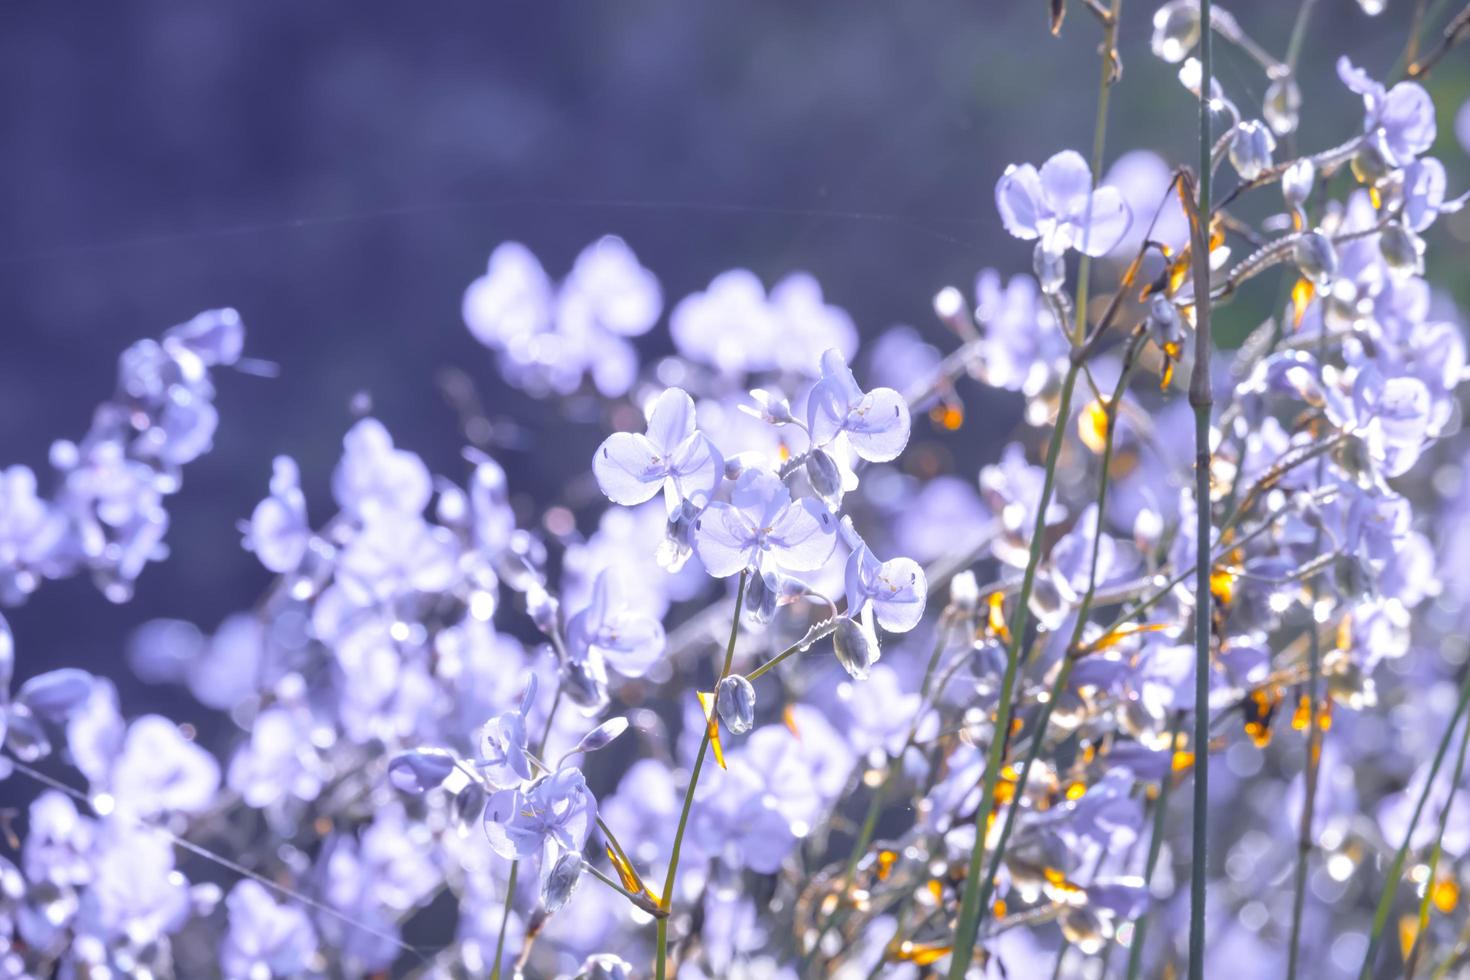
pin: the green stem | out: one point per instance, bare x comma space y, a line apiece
1444, 820
510, 891
1396, 868
1155, 848
661, 963
1064, 669
1099, 140
971, 909
1200, 398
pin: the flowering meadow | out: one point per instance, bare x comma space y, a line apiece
1175, 683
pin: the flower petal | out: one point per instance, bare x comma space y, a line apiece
878, 426
697, 468
1066, 180
899, 592
803, 536
1107, 222
1018, 199
724, 540
629, 468
670, 420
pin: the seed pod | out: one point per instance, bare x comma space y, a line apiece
562, 881
1165, 327
1316, 258
856, 647
1403, 251
1373, 163
1296, 182
1282, 107
1251, 148
822, 471
735, 698
1176, 30
760, 598
585, 682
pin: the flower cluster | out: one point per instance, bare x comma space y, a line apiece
602, 733
107, 513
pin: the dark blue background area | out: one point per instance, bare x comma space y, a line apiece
340, 173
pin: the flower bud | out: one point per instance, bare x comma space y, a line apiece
1251, 148
856, 647
964, 592
1296, 182
1373, 162
1316, 258
585, 682
542, 608
1282, 107
735, 698
562, 881
1403, 251
603, 735
760, 597
1176, 30
770, 407
1165, 327
822, 471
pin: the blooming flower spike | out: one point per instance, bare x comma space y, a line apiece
671, 455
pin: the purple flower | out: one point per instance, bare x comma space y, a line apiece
672, 455
266, 937
278, 762
876, 423
373, 476
160, 771
631, 641
397, 554
30, 533
59, 842
1022, 341
555, 812
895, 590
1402, 117
730, 326
1058, 206
503, 760
511, 300
278, 531
760, 521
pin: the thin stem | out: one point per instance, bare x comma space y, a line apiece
1396, 868
1069, 657
1099, 140
510, 891
1444, 820
661, 963
971, 910
1200, 398
1314, 743
975, 900
1298, 34
1155, 848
